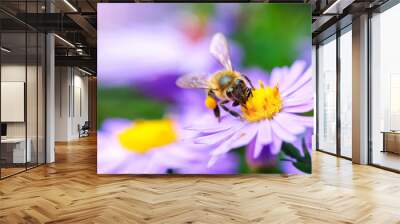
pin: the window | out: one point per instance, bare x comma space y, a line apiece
327, 96
385, 89
346, 92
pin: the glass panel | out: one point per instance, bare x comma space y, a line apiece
327, 96
41, 98
346, 94
32, 88
23, 90
13, 90
385, 84
31, 98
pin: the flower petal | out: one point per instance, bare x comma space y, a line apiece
282, 132
218, 136
169, 159
296, 70
299, 108
258, 146
307, 121
223, 148
307, 90
209, 128
264, 132
226, 146
305, 79
245, 135
289, 122
228, 166
115, 125
292, 101
276, 144
277, 75
212, 161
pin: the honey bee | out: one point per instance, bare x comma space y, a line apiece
224, 86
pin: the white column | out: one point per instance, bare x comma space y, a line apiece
50, 92
50, 99
360, 90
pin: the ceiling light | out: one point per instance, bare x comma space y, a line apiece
338, 6
65, 41
5, 50
331, 7
70, 5
84, 71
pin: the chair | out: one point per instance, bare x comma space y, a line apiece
84, 130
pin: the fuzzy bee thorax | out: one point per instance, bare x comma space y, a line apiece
221, 80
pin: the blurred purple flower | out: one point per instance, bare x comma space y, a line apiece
118, 153
226, 17
161, 88
136, 47
270, 117
305, 49
265, 159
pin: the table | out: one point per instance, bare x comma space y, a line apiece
391, 141
18, 151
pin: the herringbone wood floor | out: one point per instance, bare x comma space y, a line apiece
70, 191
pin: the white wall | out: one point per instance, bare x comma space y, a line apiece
62, 82
71, 94
13, 101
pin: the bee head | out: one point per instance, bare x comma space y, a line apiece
237, 90
239, 83
230, 91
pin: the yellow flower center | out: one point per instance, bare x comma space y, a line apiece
146, 135
264, 103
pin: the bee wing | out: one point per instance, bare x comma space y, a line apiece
193, 81
220, 50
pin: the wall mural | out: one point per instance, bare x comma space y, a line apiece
204, 88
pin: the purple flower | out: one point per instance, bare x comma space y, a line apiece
152, 147
271, 115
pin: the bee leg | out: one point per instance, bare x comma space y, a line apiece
217, 113
249, 93
231, 112
249, 81
212, 94
235, 103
